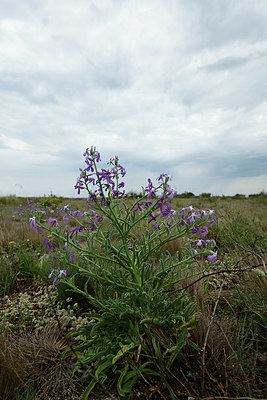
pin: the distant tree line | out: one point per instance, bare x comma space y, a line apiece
204, 195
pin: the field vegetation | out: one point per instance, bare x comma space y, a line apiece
195, 331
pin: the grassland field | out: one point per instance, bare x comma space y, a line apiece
230, 317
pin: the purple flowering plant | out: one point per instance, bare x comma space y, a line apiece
119, 260
152, 212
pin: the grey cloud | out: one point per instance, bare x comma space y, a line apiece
228, 63
236, 166
221, 22
242, 166
27, 86
128, 78
3, 144
114, 75
15, 9
242, 88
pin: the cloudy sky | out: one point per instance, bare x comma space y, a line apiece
174, 86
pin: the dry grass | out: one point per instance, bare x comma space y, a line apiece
233, 338
13, 230
34, 360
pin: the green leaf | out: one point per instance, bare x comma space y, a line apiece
194, 345
123, 350
120, 380
156, 348
88, 390
127, 387
102, 367
258, 272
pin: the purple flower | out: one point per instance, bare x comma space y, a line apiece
77, 229
153, 217
213, 257
182, 222
92, 226
191, 218
151, 193
190, 208
149, 186
211, 222
210, 242
65, 218
149, 189
51, 273
147, 204
156, 226
72, 257
33, 222
64, 208
205, 231
76, 213
211, 212
48, 245
172, 194
53, 221
167, 212
196, 230
79, 186
96, 155
97, 217
138, 207
61, 272
87, 152
91, 154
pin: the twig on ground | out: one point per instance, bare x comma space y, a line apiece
251, 252
220, 272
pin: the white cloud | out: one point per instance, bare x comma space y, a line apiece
14, 144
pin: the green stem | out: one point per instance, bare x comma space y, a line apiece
100, 278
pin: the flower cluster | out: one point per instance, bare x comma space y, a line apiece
161, 194
106, 180
212, 257
190, 215
105, 192
31, 207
